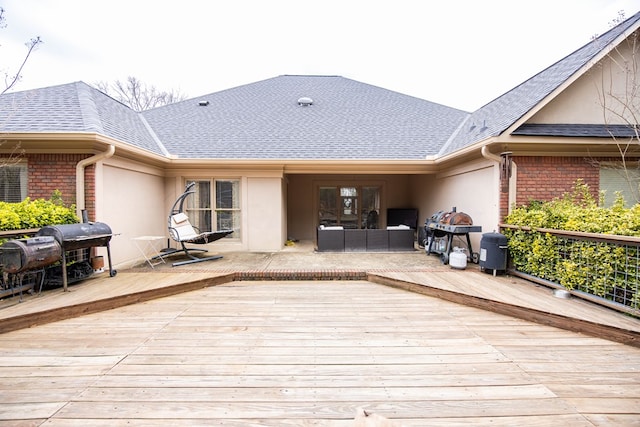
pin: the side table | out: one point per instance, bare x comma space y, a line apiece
145, 244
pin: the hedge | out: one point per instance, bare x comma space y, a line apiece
604, 269
36, 214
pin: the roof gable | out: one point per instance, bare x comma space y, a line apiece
503, 112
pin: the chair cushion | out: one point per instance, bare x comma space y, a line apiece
180, 218
181, 228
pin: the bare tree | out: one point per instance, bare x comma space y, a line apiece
618, 19
11, 79
615, 21
15, 153
138, 95
619, 97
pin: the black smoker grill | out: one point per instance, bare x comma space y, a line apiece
18, 256
22, 257
85, 235
442, 227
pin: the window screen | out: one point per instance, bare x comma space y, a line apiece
223, 214
13, 183
623, 180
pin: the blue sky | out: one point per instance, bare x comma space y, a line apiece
459, 53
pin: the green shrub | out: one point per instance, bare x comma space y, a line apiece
600, 268
578, 211
36, 213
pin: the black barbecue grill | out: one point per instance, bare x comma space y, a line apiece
56, 255
18, 256
84, 235
26, 258
441, 229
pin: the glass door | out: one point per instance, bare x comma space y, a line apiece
348, 214
349, 206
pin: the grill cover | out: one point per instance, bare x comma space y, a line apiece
78, 236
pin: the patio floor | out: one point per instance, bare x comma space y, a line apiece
202, 345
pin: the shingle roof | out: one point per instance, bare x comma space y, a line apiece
74, 107
262, 120
499, 114
348, 120
576, 130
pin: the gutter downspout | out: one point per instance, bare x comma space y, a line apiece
80, 167
489, 155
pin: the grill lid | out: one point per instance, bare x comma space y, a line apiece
76, 236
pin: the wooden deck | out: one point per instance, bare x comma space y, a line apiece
99, 293
309, 353
518, 298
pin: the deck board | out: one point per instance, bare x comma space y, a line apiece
309, 354
519, 299
506, 289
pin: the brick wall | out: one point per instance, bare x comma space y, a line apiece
90, 192
544, 178
504, 204
49, 172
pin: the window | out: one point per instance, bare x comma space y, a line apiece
13, 183
617, 179
349, 206
223, 213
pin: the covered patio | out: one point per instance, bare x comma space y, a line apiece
236, 342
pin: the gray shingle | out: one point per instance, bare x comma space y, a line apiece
52, 109
73, 107
262, 120
576, 130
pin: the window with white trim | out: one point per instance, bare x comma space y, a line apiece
215, 205
13, 183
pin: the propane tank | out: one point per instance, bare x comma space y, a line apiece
458, 259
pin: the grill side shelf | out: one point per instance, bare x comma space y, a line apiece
456, 229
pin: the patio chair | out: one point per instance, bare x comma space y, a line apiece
181, 230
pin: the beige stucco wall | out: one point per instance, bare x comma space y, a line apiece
585, 101
472, 189
265, 227
577, 104
130, 199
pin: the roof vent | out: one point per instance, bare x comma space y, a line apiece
305, 101
203, 103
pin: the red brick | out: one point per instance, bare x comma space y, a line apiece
50, 172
